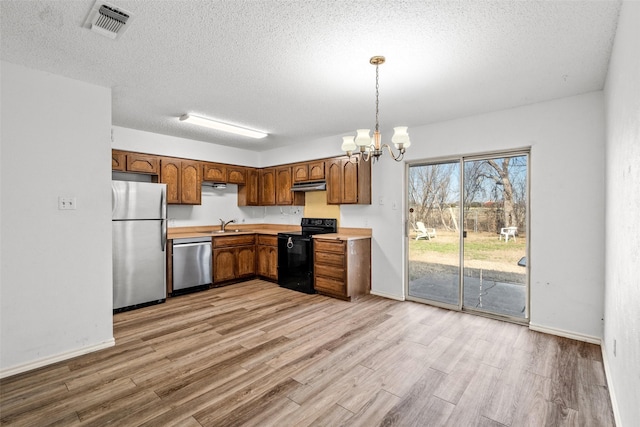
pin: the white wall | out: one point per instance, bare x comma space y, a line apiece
56, 278
165, 145
622, 291
216, 204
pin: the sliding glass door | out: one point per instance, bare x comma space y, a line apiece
434, 242
467, 243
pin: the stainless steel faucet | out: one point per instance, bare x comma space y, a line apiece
224, 224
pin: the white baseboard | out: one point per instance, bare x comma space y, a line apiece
385, 295
612, 392
565, 334
4, 373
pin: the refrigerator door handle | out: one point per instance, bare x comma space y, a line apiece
163, 205
163, 234
114, 200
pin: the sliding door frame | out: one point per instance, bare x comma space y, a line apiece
525, 151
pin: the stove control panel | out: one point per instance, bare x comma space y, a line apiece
329, 223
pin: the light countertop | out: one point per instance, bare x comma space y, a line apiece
268, 229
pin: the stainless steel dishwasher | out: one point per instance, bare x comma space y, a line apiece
191, 264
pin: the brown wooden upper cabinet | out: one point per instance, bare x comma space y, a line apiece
118, 161
301, 172
267, 192
316, 170
284, 181
230, 174
170, 175
248, 194
143, 163
309, 171
236, 175
183, 179
134, 162
214, 172
190, 183
348, 181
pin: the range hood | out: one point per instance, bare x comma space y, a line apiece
215, 185
309, 186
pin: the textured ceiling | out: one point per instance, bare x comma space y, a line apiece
300, 69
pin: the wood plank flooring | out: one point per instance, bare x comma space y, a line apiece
254, 354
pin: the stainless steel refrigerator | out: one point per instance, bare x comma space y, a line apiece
139, 213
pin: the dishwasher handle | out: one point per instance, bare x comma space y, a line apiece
186, 245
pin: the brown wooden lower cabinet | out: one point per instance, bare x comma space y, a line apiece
267, 266
234, 257
342, 268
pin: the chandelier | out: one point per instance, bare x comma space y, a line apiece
370, 146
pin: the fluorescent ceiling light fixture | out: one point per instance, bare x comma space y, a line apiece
202, 121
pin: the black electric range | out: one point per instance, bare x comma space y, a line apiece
295, 253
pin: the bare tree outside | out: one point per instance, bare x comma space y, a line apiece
431, 195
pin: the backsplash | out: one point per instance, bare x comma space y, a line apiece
216, 204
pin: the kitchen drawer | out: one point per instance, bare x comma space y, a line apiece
268, 240
245, 239
331, 258
321, 245
330, 271
330, 286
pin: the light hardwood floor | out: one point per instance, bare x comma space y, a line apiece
257, 355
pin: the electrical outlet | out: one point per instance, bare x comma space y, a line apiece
381, 200
394, 205
66, 203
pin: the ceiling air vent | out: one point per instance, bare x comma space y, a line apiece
108, 20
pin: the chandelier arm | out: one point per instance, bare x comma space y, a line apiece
397, 158
363, 155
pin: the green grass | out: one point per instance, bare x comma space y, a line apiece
480, 246
424, 246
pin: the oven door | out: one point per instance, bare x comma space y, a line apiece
295, 263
